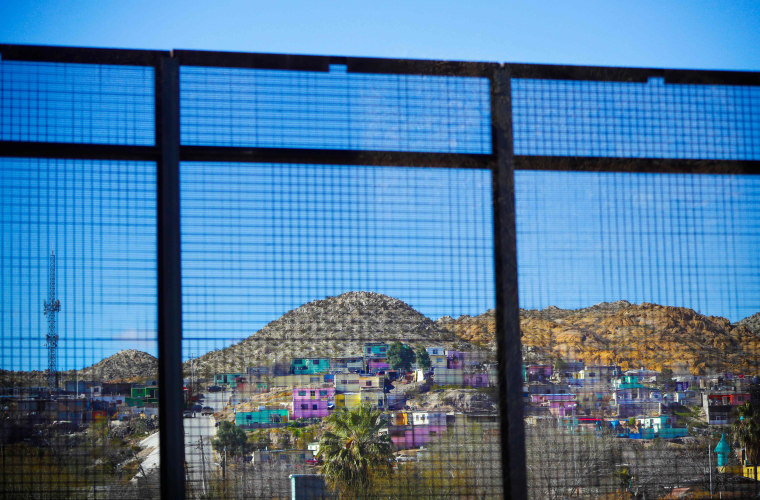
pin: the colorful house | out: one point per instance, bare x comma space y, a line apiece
412, 430
375, 350
309, 366
348, 400
148, 394
537, 373
375, 365
312, 402
438, 361
291, 381
347, 382
372, 381
261, 417
560, 405
373, 397
435, 351
448, 376
252, 387
228, 379
476, 379
718, 407
350, 364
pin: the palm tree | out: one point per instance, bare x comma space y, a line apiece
746, 429
353, 451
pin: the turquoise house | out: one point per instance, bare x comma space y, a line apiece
227, 379
261, 417
309, 366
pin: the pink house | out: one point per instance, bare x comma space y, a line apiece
455, 360
312, 402
560, 405
475, 379
375, 365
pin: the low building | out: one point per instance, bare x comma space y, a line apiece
263, 417
374, 350
347, 382
312, 402
718, 406
348, 400
347, 364
228, 379
309, 366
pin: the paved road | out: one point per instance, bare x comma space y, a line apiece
216, 400
199, 455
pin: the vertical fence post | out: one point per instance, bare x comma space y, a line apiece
171, 437
508, 312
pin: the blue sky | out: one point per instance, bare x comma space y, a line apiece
699, 34
259, 240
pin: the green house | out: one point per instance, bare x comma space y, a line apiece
148, 394
310, 366
262, 416
227, 379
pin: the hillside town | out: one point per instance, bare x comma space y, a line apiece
431, 396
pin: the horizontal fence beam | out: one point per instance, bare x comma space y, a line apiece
612, 74
640, 165
334, 157
82, 55
78, 151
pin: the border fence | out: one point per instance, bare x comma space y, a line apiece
166, 113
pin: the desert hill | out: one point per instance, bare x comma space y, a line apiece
631, 335
335, 326
123, 366
129, 365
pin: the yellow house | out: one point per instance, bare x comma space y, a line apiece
348, 400
751, 471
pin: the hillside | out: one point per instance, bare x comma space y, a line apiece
128, 365
123, 366
631, 335
335, 326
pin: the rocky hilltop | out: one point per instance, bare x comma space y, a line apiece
127, 365
631, 335
335, 326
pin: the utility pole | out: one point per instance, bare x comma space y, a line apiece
203, 467
50, 308
709, 461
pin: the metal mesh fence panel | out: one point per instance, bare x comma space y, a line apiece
76, 103
78, 309
638, 291
310, 294
652, 119
334, 110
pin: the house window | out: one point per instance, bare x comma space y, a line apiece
302, 393
368, 384
344, 381
314, 407
312, 393
304, 406
323, 393
248, 417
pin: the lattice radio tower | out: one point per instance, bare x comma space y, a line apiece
51, 306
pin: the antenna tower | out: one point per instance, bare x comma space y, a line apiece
51, 306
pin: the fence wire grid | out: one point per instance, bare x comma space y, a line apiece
253, 276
